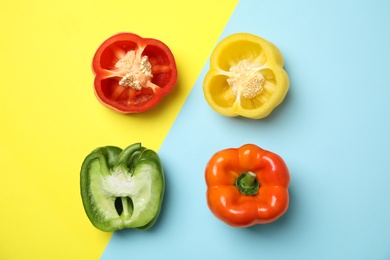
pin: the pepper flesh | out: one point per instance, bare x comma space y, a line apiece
133, 74
254, 167
246, 77
122, 188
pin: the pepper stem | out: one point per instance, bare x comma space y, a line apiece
247, 183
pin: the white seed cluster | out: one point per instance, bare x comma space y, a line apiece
245, 79
136, 73
146, 67
126, 62
130, 81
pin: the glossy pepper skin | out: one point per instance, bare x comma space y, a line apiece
122, 188
246, 77
247, 186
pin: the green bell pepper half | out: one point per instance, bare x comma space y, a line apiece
122, 188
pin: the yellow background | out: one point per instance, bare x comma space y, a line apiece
50, 118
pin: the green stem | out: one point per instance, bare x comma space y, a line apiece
248, 184
128, 156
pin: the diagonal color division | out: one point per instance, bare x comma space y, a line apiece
332, 130
50, 118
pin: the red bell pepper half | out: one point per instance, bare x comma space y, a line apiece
132, 73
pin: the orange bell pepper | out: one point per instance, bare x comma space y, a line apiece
247, 186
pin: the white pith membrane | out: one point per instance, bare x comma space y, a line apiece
120, 184
134, 190
245, 79
128, 188
136, 71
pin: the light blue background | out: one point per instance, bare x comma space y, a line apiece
332, 130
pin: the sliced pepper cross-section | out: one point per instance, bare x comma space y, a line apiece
132, 73
246, 77
122, 188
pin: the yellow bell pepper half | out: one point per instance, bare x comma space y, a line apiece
246, 77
